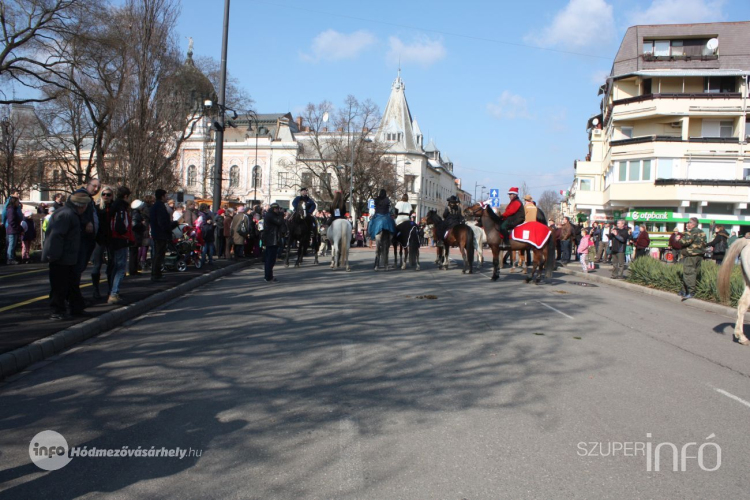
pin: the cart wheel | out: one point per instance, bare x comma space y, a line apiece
198, 263
181, 265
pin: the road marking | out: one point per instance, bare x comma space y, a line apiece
25, 272
556, 310
732, 396
31, 301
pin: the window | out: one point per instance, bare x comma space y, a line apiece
286, 180
634, 170
586, 184
409, 182
719, 84
192, 175
622, 169
234, 176
647, 86
661, 48
627, 132
306, 180
56, 176
664, 168
677, 48
648, 46
257, 177
726, 129
646, 174
719, 208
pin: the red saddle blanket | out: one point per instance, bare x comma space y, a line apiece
533, 233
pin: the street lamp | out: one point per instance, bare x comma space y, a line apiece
252, 116
219, 150
475, 190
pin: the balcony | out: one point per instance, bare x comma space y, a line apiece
644, 139
588, 168
675, 104
595, 198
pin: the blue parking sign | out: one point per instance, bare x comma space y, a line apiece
370, 203
494, 193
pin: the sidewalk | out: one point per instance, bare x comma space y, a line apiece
28, 335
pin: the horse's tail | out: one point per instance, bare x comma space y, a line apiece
470, 245
344, 240
725, 273
549, 262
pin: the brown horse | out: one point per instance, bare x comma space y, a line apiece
544, 258
460, 236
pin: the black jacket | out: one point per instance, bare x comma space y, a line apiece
619, 239
161, 222
272, 228
63, 239
383, 206
719, 243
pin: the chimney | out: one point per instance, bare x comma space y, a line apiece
299, 122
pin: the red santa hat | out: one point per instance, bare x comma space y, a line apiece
513, 190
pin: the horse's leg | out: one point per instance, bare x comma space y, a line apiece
446, 257
464, 256
344, 247
739, 327
288, 250
495, 262
316, 246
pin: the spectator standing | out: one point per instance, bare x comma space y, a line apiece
139, 230
206, 234
58, 201
61, 250
567, 234
693, 244
732, 239
603, 244
29, 235
719, 244
42, 209
121, 226
227, 230
190, 215
619, 237
13, 229
272, 227
642, 242
674, 244
103, 236
219, 232
161, 233
239, 230
177, 213
629, 252
583, 249
89, 228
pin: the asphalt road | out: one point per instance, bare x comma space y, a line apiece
388, 385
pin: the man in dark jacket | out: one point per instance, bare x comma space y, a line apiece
272, 227
89, 228
619, 238
61, 250
161, 233
13, 229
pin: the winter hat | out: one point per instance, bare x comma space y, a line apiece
137, 204
513, 190
79, 199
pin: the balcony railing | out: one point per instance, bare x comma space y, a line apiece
699, 95
646, 138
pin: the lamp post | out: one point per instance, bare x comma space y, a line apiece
219, 151
476, 184
251, 116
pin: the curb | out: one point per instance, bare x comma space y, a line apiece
19, 359
694, 303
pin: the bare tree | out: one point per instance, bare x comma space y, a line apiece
20, 132
324, 159
34, 36
524, 189
549, 202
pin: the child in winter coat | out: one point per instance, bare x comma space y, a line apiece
583, 248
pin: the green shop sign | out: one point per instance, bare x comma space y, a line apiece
653, 216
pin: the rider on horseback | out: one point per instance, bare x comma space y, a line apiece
452, 216
309, 203
382, 219
513, 216
338, 209
403, 210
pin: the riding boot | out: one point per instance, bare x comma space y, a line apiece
95, 281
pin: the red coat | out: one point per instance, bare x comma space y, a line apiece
513, 207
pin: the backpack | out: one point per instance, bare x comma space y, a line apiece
121, 227
244, 227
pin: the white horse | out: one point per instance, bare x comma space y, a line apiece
738, 249
340, 235
479, 240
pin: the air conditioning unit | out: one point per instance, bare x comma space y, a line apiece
676, 124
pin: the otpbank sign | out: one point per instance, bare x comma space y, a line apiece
652, 215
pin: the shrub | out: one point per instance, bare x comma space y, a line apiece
654, 273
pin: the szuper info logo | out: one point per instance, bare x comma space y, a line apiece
49, 450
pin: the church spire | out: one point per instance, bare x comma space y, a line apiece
397, 126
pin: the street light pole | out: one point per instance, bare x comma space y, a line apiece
475, 190
219, 150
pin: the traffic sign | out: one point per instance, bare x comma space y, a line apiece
370, 203
494, 202
494, 193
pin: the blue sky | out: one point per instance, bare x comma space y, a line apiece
504, 88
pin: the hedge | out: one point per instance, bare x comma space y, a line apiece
654, 273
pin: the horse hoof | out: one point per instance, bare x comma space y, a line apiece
296, 265
348, 268
743, 341
495, 278
528, 280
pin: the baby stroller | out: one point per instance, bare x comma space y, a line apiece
182, 250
